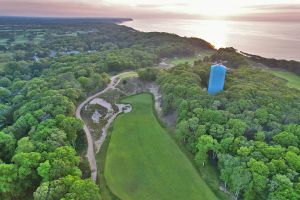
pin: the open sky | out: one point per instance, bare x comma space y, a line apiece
283, 10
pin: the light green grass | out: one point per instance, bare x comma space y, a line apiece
191, 59
73, 34
1, 67
128, 75
5, 57
293, 79
143, 162
3, 41
20, 39
106, 194
38, 39
210, 174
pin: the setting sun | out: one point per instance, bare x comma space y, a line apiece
191, 9
212, 8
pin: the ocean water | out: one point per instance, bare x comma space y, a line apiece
280, 40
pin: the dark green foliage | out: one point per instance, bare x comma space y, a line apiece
251, 129
235, 59
7, 146
27, 164
69, 187
119, 41
38, 97
8, 174
63, 161
288, 65
148, 74
230, 56
286, 139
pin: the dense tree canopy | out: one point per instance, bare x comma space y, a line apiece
46, 68
251, 129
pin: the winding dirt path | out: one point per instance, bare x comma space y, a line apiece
114, 81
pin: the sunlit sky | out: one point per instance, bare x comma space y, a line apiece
279, 9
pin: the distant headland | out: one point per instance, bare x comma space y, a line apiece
59, 20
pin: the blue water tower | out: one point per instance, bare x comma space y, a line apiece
216, 79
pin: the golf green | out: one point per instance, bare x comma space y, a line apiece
143, 162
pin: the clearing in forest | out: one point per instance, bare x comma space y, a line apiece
144, 162
292, 78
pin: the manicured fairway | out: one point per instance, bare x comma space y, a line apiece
144, 163
293, 79
190, 60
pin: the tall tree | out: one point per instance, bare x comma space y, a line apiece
7, 146
67, 188
8, 179
205, 143
63, 162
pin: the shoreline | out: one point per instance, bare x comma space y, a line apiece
230, 36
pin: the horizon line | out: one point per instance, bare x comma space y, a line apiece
69, 17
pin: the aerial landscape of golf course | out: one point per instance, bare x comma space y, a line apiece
143, 162
102, 109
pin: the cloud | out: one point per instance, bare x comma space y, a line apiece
275, 7
161, 5
103, 8
281, 17
68, 8
278, 12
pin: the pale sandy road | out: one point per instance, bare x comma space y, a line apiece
90, 151
114, 81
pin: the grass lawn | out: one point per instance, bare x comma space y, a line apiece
20, 39
106, 193
3, 41
190, 60
39, 38
143, 162
128, 75
293, 79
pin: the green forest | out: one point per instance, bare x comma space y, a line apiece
251, 129
40, 139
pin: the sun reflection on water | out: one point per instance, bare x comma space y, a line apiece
214, 31
260, 38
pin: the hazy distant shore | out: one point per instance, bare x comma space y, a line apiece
5, 20
279, 40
